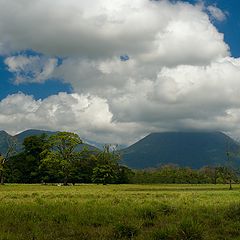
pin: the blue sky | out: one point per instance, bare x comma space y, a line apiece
38, 90
120, 69
231, 26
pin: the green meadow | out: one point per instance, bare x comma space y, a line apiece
107, 212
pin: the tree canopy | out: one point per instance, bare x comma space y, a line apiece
57, 158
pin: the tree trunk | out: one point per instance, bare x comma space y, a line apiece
1, 178
230, 185
215, 176
65, 182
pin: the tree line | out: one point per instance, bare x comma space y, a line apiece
55, 159
183, 175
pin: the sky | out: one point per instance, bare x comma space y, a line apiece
115, 70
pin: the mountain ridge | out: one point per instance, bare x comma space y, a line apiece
19, 138
193, 149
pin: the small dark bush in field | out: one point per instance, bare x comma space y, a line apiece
60, 218
166, 209
190, 230
233, 211
215, 221
115, 201
165, 234
147, 213
34, 194
148, 223
125, 231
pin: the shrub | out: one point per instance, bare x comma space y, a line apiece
190, 230
125, 231
165, 234
148, 213
166, 209
233, 211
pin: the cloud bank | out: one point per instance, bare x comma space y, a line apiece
178, 73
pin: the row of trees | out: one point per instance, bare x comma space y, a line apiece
175, 174
56, 159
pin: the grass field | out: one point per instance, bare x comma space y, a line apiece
156, 212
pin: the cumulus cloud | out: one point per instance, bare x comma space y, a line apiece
90, 116
31, 68
216, 13
64, 111
178, 98
179, 73
182, 92
87, 115
148, 30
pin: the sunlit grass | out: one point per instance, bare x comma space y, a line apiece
119, 212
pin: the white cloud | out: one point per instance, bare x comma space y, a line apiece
87, 115
31, 68
216, 13
62, 111
182, 92
180, 73
147, 30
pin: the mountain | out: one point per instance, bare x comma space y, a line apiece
32, 132
5, 138
101, 145
186, 149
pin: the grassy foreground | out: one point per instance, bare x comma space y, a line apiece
156, 212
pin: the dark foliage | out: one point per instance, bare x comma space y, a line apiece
56, 158
174, 174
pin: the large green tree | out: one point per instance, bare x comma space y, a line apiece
83, 166
24, 167
108, 169
60, 155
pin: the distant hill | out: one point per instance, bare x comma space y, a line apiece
32, 132
5, 138
186, 149
101, 145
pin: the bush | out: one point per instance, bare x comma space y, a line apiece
148, 213
165, 234
190, 230
166, 209
233, 211
125, 231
